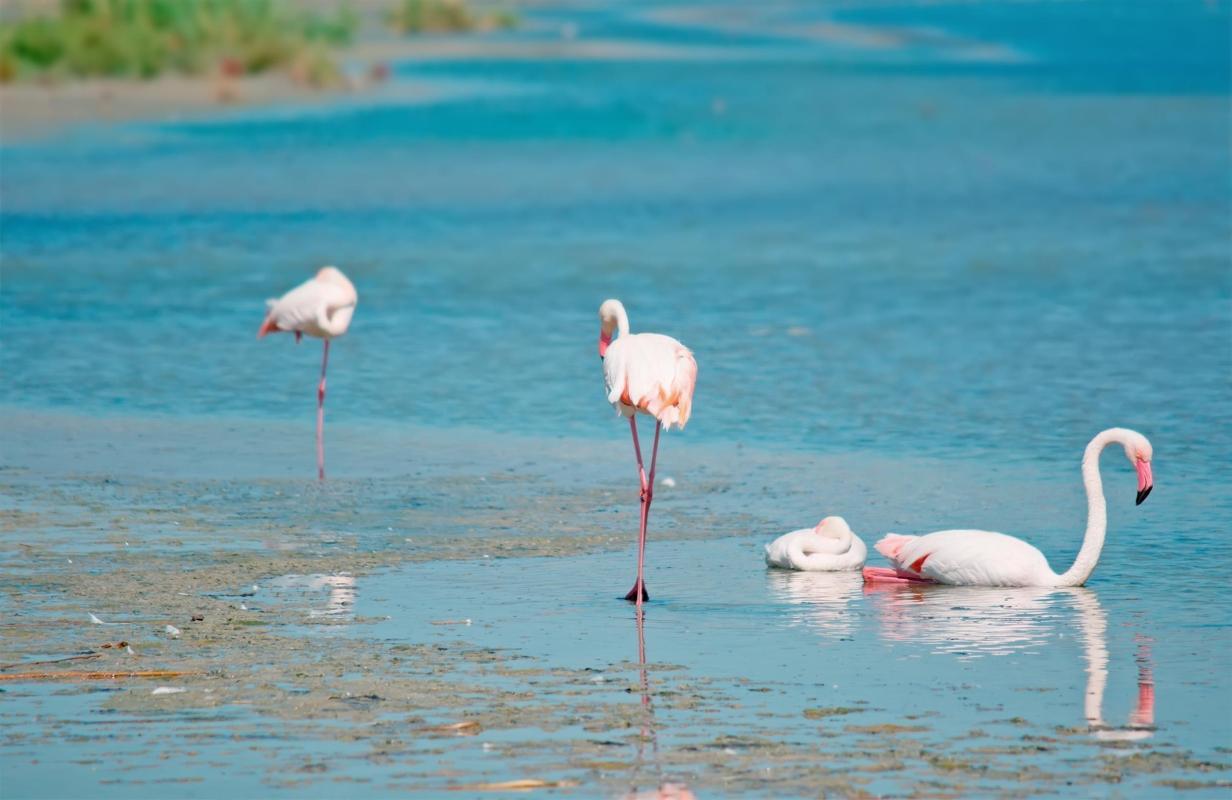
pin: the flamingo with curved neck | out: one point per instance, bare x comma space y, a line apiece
650, 374
828, 547
320, 307
985, 558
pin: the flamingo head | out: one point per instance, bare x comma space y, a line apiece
1138, 451
610, 315
833, 528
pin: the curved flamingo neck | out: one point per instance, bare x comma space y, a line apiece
622, 320
1097, 511
826, 551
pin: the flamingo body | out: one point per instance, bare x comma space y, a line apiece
320, 307
985, 558
828, 547
652, 374
968, 558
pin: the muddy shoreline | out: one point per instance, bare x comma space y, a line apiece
283, 674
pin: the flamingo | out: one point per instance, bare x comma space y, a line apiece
321, 307
984, 558
651, 374
828, 547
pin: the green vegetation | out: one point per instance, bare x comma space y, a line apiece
446, 16
146, 38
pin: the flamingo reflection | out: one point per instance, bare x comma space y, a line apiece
821, 599
666, 790
1141, 724
968, 622
341, 598
977, 621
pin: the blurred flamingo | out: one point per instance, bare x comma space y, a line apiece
321, 307
984, 558
828, 547
645, 373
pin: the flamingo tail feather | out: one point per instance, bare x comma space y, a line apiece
268, 326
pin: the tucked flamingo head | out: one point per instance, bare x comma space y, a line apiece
334, 277
331, 275
833, 528
1138, 451
612, 319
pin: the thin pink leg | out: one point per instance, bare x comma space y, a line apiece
638, 592
641, 512
321, 415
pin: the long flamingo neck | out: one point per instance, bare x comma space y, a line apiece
622, 321
1097, 513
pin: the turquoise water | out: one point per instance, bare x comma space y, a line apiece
950, 240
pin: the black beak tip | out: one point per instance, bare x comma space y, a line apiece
1143, 494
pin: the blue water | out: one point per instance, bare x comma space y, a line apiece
934, 233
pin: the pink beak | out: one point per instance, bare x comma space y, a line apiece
1145, 481
604, 340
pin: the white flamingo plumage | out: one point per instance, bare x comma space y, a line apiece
320, 307
828, 547
985, 558
651, 374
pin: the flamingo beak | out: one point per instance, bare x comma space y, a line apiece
604, 340
1145, 481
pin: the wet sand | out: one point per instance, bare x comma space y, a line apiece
454, 648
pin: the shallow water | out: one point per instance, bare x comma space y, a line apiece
922, 253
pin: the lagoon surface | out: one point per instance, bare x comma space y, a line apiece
923, 253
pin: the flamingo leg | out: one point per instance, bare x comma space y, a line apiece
634, 593
638, 593
321, 415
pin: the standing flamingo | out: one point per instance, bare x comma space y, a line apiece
651, 374
320, 307
828, 547
984, 558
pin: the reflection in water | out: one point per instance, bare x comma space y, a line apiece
822, 598
339, 604
666, 790
1141, 723
967, 621
972, 622
341, 599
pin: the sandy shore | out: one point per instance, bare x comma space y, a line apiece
31, 110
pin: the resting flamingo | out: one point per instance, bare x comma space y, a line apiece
828, 547
984, 558
651, 374
321, 307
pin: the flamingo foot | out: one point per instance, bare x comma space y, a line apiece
632, 595
886, 575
